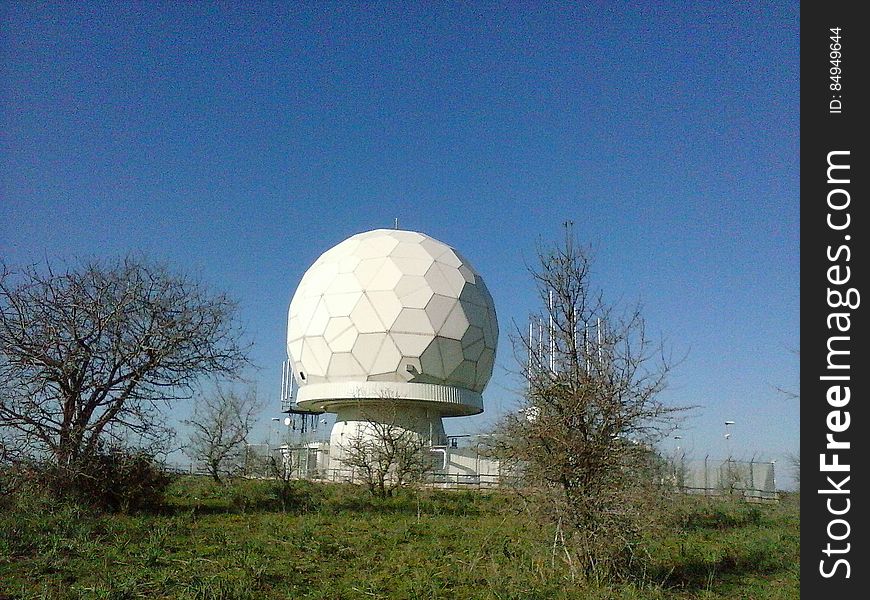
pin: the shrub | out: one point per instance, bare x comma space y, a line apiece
111, 479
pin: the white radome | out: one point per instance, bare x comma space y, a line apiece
393, 312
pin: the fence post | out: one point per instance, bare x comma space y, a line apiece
706, 479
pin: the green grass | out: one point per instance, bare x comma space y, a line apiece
211, 542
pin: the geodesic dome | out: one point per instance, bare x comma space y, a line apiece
395, 307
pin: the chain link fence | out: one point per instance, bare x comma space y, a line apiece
755, 481
464, 468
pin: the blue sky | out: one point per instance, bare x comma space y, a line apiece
241, 142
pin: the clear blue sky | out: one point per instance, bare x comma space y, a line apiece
241, 142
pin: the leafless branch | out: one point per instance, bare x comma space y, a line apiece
102, 346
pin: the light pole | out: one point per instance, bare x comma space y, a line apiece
274, 420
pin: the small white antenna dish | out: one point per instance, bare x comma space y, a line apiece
287, 421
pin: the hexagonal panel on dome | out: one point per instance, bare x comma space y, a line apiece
438, 309
412, 250
366, 269
386, 304
392, 306
367, 347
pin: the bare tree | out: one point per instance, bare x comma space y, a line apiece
591, 414
386, 455
220, 426
92, 353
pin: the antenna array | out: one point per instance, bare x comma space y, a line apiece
297, 418
544, 347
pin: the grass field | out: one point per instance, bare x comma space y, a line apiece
235, 542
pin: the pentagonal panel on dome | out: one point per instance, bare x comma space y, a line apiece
369, 234
294, 329
472, 335
436, 280
472, 294
413, 291
481, 284
409, 284
301, 311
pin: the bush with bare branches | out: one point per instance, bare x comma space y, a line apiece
592, 412
385, 455
90, 354
219, 429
